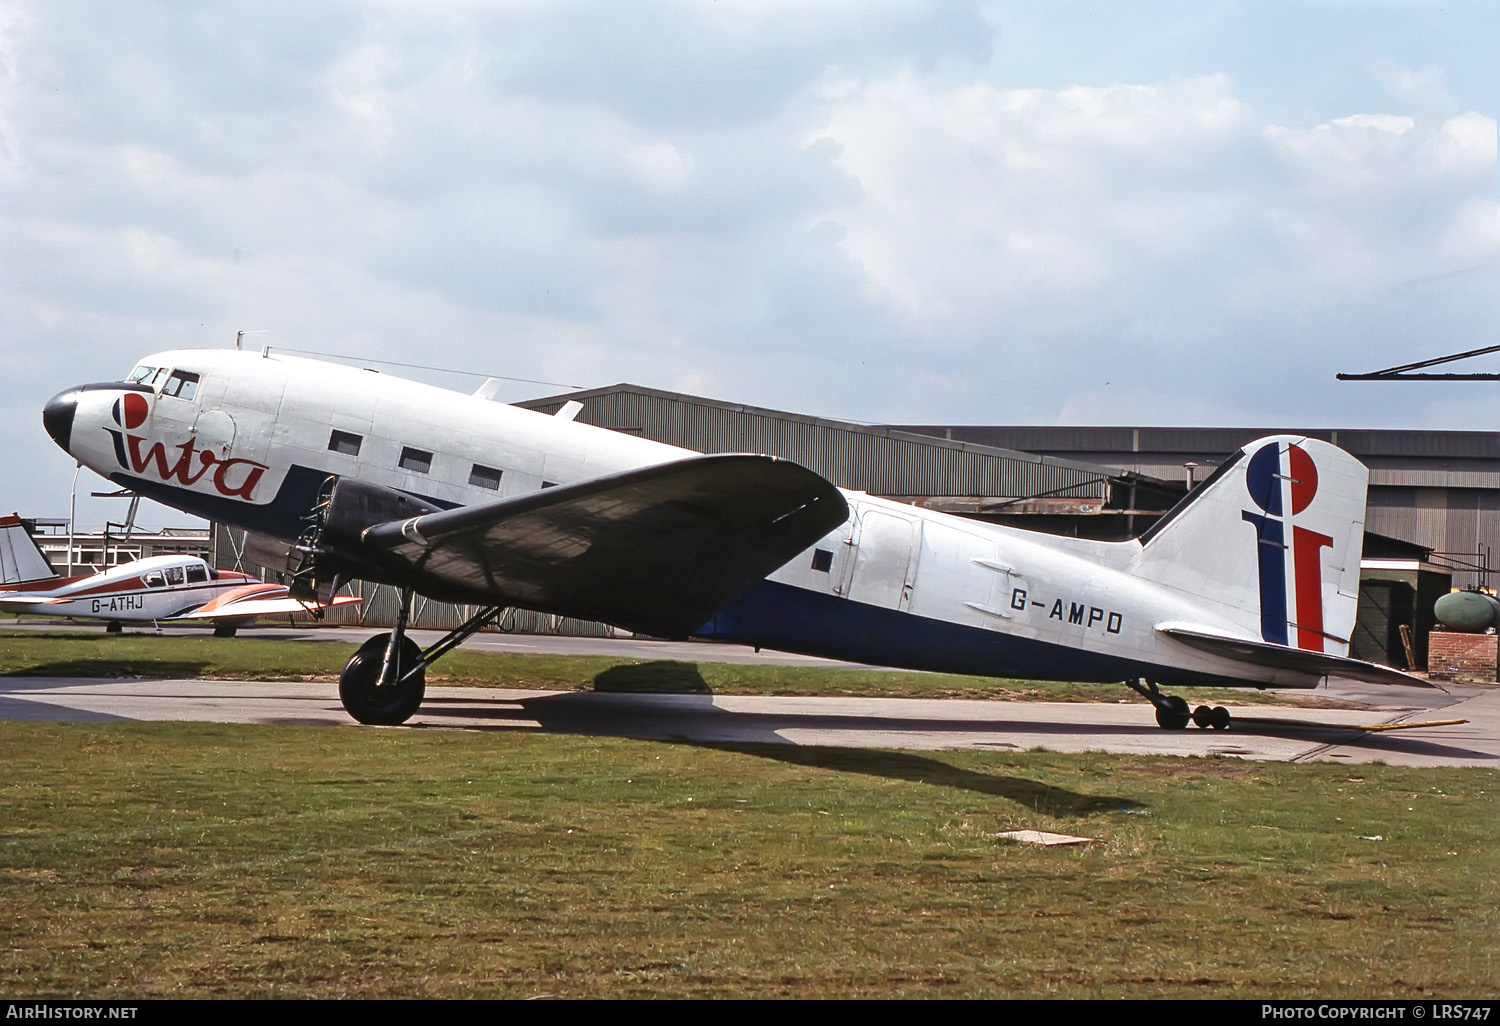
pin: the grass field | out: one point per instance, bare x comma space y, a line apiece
194, 860
201, 860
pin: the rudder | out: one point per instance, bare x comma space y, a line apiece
1271, 542
21, 559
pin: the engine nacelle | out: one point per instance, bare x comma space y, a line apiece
355, 506
333, 545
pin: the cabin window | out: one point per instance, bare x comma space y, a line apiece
182, 384
154, 579
415, 460
822, 560
174, 574
549, 484
197, 575
485, 477
345, 443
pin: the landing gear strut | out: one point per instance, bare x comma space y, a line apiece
384, 682
1172, 711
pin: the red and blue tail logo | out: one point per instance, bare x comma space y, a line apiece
1283, 483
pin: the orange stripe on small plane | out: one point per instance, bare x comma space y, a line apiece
240, 594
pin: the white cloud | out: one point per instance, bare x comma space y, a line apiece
661, 167
983, 210
842, 209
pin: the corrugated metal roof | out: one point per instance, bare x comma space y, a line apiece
1219, 442
880, 460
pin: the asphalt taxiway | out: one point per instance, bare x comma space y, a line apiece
1282, 734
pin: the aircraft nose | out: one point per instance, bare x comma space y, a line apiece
57, 417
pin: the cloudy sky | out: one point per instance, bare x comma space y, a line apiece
945, 212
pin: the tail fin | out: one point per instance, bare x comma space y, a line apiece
21, 560
1270, 543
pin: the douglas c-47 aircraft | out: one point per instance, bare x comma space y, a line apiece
1251, 581
144, 591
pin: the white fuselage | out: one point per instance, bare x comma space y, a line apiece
894, 584
158, 588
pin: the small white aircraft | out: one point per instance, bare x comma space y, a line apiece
1251, 581
146, 590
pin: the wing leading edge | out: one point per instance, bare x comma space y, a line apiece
657, 549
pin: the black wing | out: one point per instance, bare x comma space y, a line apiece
657, 549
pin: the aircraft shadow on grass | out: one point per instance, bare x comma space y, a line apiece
654, 701
109, 669
581, 713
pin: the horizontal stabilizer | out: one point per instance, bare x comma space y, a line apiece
17, 603
658, 549
1280, 657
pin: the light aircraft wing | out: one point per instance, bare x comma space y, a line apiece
657, 549
1280, 657
256, 600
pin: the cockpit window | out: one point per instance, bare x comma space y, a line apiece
174, 575
157, 378
141, 373
182, 384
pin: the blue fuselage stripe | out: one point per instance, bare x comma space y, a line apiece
784, 617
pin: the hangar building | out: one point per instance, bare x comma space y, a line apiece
1433, 494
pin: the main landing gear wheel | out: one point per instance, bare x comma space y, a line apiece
370, 701
1172, 713
225, 630
1217, 717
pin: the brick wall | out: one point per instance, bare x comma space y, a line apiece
1452, 655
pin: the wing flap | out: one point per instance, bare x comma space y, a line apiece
659, 548
1279, 657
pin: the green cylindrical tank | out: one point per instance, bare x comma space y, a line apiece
1468, 611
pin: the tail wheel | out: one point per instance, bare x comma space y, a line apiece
367, 699
1172, 713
